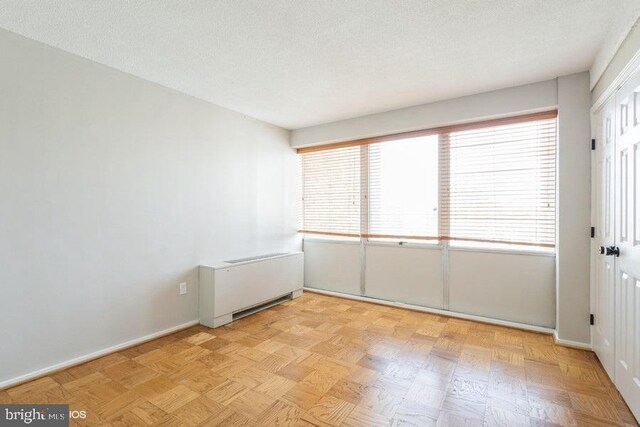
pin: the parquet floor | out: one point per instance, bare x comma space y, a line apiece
321, 360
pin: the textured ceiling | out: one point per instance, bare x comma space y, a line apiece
298, 63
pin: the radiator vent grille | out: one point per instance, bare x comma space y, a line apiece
255, 258
248, 311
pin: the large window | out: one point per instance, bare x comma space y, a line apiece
487, 183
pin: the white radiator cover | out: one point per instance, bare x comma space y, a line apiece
232, 287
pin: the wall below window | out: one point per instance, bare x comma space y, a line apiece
112, 191
412, 275
332, 266
516, 287
507, 286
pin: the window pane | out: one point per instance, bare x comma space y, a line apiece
331, 192
500, 184
403, 188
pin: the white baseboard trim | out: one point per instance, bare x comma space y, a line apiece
88, 357
572, 344
448, 313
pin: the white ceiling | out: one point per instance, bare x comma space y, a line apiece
296, 63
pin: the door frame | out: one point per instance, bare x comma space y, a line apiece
594, 218
632, 66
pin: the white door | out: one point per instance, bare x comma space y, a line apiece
603, 330
627, 238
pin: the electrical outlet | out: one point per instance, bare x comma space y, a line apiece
183, 288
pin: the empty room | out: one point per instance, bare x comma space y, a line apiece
320, 213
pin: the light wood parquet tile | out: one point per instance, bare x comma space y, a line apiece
276, 386
467, 409
5, 398
360, 417
129, 373
327, 361
414, 414
329, 411
295, 371
173, 399
24, 391
154, 387
120, 405
198, 410
302, 396
281, 414
226, 392
252, 403
499, 416
148, 413
381, 401
348, 391
237, 420
425, 395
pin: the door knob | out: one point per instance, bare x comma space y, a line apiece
613, 250
610, 250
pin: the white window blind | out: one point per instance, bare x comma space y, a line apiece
331, 192
498, 183
403, 189
490, 182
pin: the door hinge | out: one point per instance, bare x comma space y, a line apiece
592, 319
593, 232
593, 143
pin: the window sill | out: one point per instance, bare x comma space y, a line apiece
340, 240
434, 245
404, 244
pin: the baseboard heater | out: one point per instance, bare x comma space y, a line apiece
233, 289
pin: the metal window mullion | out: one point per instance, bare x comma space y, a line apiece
364, 214
444, 211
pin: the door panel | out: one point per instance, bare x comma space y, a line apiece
627, 265
603, 331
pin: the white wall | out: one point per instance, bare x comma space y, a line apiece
411, 275
507, 286
616, 43
572, 269
573, 208
503, 102
112, 191
333, 266
627, 54
516, 287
